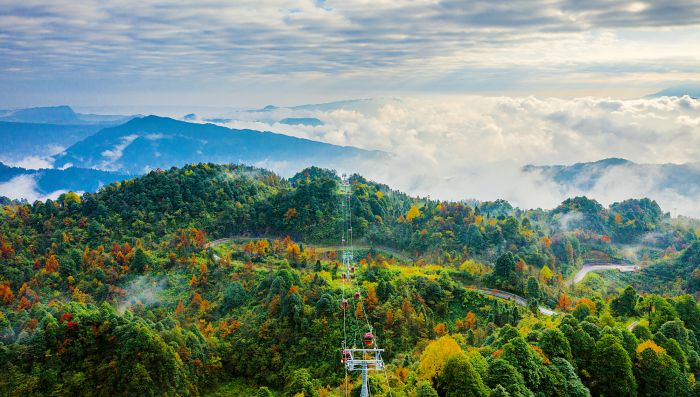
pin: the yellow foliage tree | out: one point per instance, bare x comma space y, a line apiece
473, 267
358, 311
546, 273
649, 344
470, 321
71, 197
413, 213
262, 247
435, 355
371, 300
293, 251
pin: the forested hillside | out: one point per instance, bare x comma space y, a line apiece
121, 292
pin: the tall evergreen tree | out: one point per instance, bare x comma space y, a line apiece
612, 369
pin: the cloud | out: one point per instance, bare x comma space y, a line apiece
144, 290
25, 187
474, 147
33, 163
114, 154
248, 47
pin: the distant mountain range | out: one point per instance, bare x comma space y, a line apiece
310, 121
48, 181
21, 140
88, 151
45, 131
59, 115
151, 142
682, 178
691, 90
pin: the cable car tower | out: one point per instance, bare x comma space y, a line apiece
358, 353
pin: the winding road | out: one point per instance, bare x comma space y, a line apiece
519, 300
587, 268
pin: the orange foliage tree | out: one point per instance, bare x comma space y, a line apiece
6, 295
564, 302
51, 264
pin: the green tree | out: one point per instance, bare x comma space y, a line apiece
520, 355
505, 269
424, 389
554, 344
139, 261
475, 239
688, 311
612, 369
659, 375
300, 381
625, 303
581, 311
533, 289
502, 374
499, 391
264, 392
459, 378
642, 332
571, 384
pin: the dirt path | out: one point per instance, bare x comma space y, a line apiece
632, 325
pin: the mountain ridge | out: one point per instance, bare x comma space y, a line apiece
150, 142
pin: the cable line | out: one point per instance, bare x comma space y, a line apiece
368, 356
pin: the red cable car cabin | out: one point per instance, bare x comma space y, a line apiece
368, 339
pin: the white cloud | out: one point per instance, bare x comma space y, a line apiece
25, 187
474, 147
114, 154
33, 163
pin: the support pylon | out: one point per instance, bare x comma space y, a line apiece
364, 392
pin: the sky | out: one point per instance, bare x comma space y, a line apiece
251, 53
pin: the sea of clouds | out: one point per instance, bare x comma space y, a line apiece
475, 147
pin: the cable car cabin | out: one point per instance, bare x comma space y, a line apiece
368, 339
347, 356
352, 269
344, 276
344, 304
357, 295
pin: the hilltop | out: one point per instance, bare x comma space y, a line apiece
120, 291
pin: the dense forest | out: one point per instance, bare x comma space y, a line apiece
121, 292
